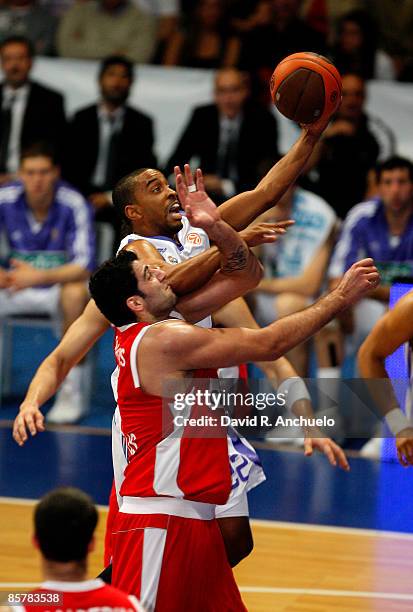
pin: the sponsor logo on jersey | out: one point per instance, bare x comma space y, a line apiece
194, 238
172, 260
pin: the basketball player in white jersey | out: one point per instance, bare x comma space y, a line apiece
151, 301
394, 329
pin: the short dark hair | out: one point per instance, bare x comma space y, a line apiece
124, 194
64, 522
112, 284
115, 60
40, 149
395, 163
20, 40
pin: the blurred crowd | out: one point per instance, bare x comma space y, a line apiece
371, 38
56, 175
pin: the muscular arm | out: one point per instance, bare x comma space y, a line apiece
242, 209
200, 348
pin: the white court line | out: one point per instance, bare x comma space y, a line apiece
21, 501
327, 593
18, 585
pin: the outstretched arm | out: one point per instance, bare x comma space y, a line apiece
200, 348
242, 209
78, 340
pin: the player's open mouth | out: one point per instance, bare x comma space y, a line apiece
174, 210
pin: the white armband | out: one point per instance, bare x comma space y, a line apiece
396, 421
293, 389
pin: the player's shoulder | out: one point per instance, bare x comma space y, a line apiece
404, 307
169, 334
11, 192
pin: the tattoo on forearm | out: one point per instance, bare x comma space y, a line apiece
236, 261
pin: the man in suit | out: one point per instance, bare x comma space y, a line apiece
235, 141
109, 139
30, 112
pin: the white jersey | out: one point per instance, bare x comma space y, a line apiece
191, 242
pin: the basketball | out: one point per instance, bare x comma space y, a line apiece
305, 87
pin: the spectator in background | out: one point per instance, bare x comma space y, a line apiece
205, 42
294, 267
381, 228
64, 524
323, 15
166, 13
395, 26
93, 30
49, 231
26, 18
29, 111
234, 139
355, 50
265, 46
109, 140
345, 159
249, 14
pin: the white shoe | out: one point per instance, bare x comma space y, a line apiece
372, 449
69, 405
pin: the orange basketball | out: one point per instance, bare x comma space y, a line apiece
306, 86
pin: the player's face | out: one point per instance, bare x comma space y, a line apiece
159, 296
354, 95
115, 84
158, 203
16, 64
230, 93
39, 176
396, 189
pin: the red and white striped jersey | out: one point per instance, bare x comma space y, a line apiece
164, 459
88, 595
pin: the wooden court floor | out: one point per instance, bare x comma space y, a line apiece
294, 568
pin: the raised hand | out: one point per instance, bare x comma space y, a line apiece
361, 278
261, 233
198, 206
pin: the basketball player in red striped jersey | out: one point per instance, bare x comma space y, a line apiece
167, 545
64, 523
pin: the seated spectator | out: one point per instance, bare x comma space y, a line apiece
49, 231
247, 15
344, 161
166, 13
64, 524
295, 265
265, 46
29, 111
234, 139
355, 49
395, 25
381, 228
109, 139
93, 30
26, 18
323, 15
205, 42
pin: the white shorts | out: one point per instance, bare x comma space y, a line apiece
238, 506
31, 301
